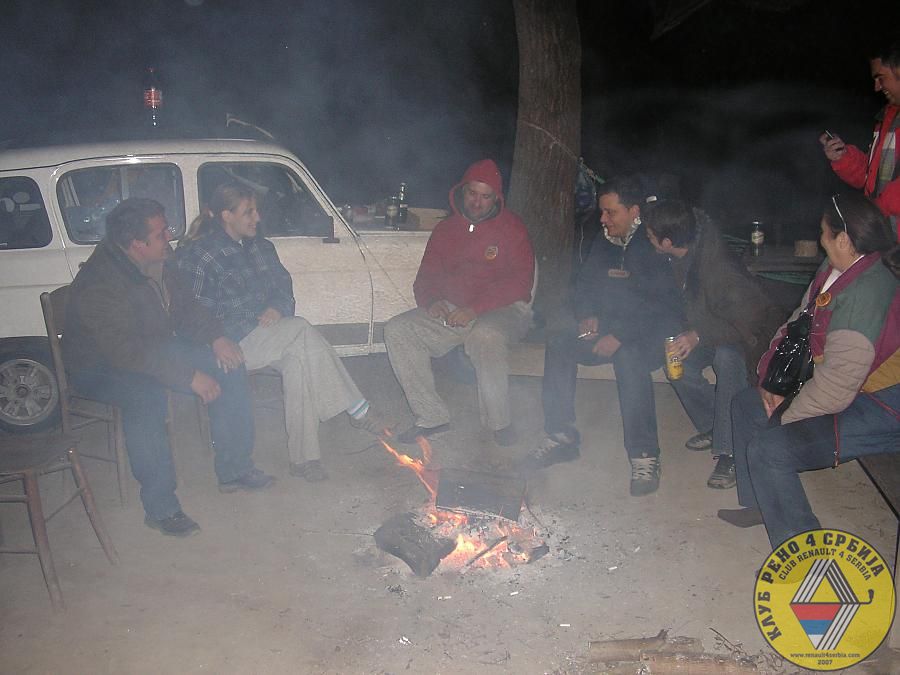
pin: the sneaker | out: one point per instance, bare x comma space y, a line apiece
741, 517
555, 448
311, 471
409, 436
722, 477
250, 481
644, 475
177, 525
700, 441
373, 422
506, 436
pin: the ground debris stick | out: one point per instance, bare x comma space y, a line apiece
695, 664
611, 651
415, 545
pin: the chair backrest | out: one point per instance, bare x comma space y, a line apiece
53, 305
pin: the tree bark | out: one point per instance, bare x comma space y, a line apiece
548, 141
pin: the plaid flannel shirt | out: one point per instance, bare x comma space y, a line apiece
235, 281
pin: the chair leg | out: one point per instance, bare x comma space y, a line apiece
90, 507
120, 454
41, 542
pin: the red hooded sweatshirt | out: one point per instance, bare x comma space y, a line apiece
482, 266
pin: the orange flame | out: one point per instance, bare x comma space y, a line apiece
419, 466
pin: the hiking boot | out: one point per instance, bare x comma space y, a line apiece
555, 448
506, 436
410, 435
644, 475
700, 441
373, 422
311, 471
250, 481
741, 517
177, 525
722, 477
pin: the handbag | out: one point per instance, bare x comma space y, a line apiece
792, 362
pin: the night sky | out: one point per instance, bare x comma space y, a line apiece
372, 93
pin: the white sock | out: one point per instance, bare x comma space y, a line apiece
359, 410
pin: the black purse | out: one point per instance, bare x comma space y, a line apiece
792, 363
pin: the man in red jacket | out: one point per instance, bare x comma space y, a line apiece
878, 172
473, 289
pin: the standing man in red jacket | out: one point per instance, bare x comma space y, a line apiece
473, 289
878, 172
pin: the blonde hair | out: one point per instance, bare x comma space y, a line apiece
226, 197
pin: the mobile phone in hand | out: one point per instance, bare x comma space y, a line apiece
829, 134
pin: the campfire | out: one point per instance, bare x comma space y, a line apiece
473, 519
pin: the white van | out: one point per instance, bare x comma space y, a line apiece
53, 206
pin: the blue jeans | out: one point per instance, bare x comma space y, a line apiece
142, 400
769, 460
632, 363
708, 405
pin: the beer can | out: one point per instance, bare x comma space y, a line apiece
674, 367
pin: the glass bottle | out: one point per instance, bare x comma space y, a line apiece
403, 207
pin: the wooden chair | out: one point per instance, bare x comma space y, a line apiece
77, 411
25, 459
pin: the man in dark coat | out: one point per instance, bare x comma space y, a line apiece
626, 305
121, 347
728, 322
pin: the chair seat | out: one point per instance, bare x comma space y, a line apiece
24, 453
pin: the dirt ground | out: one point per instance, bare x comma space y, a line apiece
289, 580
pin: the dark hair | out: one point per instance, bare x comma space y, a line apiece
671, 219
866, 225
226, 197
628, 189
889, 53
128, 221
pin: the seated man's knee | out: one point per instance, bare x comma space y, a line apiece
485, 340
396, 327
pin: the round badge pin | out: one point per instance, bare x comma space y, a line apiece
824, 599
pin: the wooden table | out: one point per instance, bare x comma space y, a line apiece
780, 259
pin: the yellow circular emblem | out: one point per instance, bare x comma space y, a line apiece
824, 599
823, 299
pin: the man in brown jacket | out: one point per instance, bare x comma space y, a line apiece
728, 322
130, 335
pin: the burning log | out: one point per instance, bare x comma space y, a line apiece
413, 544
633, 649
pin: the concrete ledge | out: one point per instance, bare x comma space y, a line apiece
527, 358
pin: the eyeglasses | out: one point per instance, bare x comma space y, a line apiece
837, 208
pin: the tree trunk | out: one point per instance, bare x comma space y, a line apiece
548, 141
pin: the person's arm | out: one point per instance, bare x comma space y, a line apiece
836, 381
852, 166
278, 279
428, 287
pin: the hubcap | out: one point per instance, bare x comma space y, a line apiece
28, 392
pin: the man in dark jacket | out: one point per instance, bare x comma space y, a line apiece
728, 322
473, 289
130, 336
626, 305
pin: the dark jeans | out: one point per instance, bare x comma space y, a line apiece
708, 405
769, 460
632, 363
142, 400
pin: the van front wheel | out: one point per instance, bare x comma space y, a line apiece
29, 394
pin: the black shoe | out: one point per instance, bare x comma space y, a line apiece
410, 435
176, 525
722, 477
700, 441
250, 481
644, 475
741, 517
506, 436
555, 448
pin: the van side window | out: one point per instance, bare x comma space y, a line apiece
86, 196
23, 218
286, 207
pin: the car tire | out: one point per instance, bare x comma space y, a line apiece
29, 393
